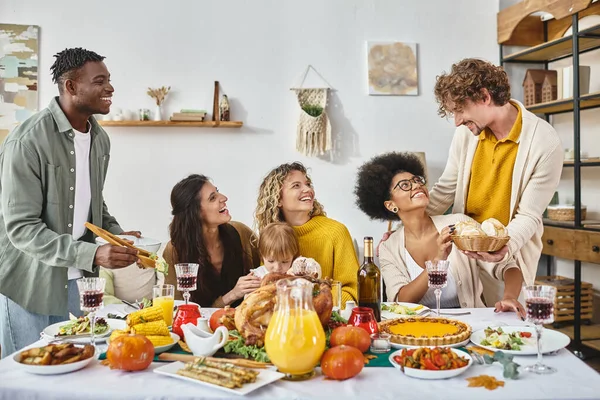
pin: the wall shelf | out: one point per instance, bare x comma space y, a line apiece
589, 39
587, 101
179, 124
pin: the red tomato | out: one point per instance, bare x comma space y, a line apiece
130, 353
215, 318
342, 362
350, 336
526, 334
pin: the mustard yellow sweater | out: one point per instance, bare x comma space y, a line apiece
330, 244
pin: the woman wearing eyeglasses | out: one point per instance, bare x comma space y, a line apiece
392, 187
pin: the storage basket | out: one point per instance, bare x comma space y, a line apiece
565, 213
564, 304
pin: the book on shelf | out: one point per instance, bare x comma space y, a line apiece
188, 119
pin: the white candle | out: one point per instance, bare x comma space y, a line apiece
380, 343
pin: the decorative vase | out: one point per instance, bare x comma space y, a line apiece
158, 113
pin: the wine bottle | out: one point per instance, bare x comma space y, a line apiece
369, 281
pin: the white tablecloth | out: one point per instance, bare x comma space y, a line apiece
574, 380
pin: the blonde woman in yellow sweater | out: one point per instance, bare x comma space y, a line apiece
287, 195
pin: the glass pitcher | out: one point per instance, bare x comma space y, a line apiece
295, 340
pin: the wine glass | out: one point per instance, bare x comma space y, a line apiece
187, 275
539, 301
438, 278
91, 299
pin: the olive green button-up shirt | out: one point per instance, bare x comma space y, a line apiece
37, 195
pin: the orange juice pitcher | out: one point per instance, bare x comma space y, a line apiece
295, 340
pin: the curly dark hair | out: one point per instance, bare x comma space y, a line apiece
373, 181
68, 62
466, 81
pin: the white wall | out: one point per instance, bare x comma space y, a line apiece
257, 50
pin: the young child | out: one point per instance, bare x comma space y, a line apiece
278, 248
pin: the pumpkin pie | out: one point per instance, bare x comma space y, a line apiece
426, 331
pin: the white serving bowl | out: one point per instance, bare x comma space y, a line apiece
427, 374
144, 243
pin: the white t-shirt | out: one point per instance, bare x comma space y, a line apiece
83, 191
449, 298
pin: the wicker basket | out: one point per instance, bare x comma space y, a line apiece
565, 213
479, 243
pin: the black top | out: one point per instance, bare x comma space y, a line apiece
231, 270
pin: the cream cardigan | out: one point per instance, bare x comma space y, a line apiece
536, 175
464, 270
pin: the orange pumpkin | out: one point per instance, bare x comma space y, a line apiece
130, 353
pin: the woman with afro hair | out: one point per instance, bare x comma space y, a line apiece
392, 186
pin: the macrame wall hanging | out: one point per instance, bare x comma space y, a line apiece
313, 136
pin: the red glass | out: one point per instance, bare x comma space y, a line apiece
186, 313
363, 317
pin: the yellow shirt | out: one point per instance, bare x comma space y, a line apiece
330, 244
490, 185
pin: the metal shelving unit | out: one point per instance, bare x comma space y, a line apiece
573, 46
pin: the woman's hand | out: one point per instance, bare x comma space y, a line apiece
511, 305
444, 244
245, 284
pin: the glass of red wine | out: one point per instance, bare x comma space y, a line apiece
91, 299
187, 276
539, 302
437, 271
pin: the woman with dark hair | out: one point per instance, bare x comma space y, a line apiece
202, 232
287, 195
392, 187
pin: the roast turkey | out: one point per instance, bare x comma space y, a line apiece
253, 315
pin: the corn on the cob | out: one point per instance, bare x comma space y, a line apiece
116, 333
160, 340
154, 328
144, 315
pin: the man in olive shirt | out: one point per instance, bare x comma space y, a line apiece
53, 168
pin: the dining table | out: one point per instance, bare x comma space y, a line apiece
573, 379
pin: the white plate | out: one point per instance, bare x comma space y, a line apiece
52, 369
51, 331
391, 315
426, 374
162, 349
405, 346
144, 243
264, 377
551, 340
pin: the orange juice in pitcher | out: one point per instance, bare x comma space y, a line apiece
295, 340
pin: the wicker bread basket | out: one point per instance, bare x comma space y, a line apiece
479, 243
565, 212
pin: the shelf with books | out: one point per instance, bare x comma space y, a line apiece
185, 124
591, 100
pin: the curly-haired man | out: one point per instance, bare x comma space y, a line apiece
504, 161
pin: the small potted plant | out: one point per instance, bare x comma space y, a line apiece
159, 96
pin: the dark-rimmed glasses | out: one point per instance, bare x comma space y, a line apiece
407, 184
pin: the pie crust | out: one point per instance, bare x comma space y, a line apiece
426, 331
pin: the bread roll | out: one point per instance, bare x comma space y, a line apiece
468, 228
493, 227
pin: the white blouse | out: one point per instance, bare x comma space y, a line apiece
449, 298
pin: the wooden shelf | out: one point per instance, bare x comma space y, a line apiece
591, 100
588, 162
589, 39
186, 124
587, 224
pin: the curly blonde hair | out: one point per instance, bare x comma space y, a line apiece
466, 81
269, 194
